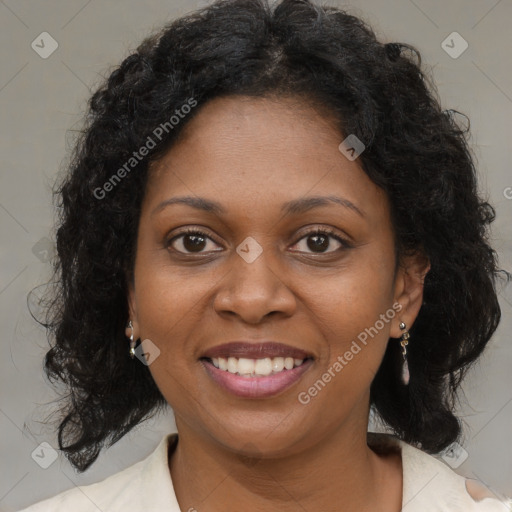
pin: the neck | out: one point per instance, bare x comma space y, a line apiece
339, 472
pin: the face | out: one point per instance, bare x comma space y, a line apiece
267, 265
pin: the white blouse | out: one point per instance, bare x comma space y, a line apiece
429, 485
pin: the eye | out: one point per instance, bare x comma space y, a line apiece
319, 240
190, 241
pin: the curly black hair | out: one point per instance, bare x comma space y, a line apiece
416, 152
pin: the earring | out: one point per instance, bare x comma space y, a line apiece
132, 341
404, 341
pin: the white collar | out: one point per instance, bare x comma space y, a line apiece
428, 485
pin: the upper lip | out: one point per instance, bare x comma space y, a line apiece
256, 350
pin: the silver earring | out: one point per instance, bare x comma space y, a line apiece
132, 341
404, 341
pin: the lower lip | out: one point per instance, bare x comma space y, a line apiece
256, 387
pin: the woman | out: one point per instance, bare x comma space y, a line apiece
270, 225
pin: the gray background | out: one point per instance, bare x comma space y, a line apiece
41, 99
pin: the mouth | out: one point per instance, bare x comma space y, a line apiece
255, 384
255, 368
255, 350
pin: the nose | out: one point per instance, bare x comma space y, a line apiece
253, 290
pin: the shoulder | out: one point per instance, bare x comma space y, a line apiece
146, 485
430, 484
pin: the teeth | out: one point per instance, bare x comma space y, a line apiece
232, 365
278, 364
255, 367
261, 367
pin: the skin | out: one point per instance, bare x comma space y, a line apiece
273, 454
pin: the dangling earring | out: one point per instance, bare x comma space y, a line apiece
404, 341
132, 341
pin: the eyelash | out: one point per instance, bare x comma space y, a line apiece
315, 231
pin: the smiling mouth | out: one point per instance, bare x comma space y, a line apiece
256, 378
255, 368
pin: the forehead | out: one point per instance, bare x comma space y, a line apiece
254, 152
234, 126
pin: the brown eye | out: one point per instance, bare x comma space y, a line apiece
319, 241
191, 241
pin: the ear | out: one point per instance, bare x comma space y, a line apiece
132, 311
409, 290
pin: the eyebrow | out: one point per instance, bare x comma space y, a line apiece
294, 207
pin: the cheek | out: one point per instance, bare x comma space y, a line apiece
169, 296
169, 314
172, 305
354, 311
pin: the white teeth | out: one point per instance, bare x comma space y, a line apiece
278, 364
255, 367
263, 366
232, 365
245, 366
